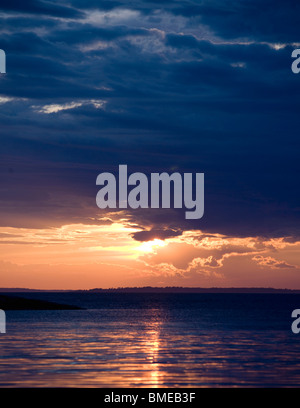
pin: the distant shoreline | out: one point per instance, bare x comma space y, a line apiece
150, 289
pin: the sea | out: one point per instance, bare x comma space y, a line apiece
153, 340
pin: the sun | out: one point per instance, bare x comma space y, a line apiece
150, 246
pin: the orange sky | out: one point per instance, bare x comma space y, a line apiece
82, 256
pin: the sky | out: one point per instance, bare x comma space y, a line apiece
162, 86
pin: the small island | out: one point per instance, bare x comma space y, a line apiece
19, 303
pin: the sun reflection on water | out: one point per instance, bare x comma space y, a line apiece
152, 347
140, 348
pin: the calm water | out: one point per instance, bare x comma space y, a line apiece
142, 340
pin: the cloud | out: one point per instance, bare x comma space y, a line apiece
190, 250
271, 262
5, 99
204, 262
155, 233
112, 17
54, 108
181, 89
212, 255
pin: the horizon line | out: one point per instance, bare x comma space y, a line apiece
165, 289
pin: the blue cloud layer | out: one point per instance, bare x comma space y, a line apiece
190, 86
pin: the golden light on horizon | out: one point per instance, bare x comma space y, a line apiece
75, 256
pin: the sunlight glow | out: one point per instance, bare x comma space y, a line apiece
150, 246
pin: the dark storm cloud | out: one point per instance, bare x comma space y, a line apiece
267, 20
23, 24
155, 233
96, 4
148, 85
38, 7
92, 34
